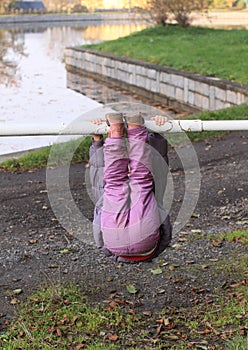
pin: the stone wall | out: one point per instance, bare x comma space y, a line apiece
161, 83
85, 17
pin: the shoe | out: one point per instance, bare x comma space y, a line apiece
114, 118
116, 124
136, 119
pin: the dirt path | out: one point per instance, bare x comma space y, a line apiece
35, 248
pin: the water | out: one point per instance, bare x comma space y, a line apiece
33, 76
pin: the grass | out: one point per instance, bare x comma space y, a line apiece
233, 113
240, 236
62, 153
73, 151
61, 317
211, 52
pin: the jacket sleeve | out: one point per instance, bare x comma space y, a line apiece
160, 144
96, 171
160, 164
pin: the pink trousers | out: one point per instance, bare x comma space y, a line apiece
130, 218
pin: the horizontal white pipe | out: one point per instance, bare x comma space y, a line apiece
87, 128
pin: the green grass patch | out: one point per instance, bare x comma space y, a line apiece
239, 236
212, 52
59, 154
233, 113
238, 343
59, 318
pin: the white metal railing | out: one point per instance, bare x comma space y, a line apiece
87, 128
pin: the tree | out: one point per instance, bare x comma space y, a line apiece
180, 10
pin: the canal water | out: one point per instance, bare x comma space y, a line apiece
33, 82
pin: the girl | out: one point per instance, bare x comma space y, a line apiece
130, 224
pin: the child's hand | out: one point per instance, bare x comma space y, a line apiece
98, 121
159, 120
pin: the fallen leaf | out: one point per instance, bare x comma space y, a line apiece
183, 233
58, 331
112, 304
132, 289
216, 243
17, 291
178, 280
147, 313
159, 329
196, 231
221, 191
225, 217
182, 239
32, 241
177, 246
172, 337
157, 271
217, 175
14, 301
161, 291
80, 346
166, 322
113, 337
65, 251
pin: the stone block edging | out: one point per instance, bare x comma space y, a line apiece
84, 17
164, 84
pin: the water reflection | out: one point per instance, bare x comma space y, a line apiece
110, 93
53, 39
111, 31
11, 50
102, 93
33, 76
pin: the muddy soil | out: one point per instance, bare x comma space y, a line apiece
36, 249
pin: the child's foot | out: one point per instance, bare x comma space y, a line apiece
116, 124
134, 121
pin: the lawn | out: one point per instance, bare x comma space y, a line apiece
208, 51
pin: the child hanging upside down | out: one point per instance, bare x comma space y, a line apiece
130, 224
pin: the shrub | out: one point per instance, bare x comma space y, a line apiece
180, 10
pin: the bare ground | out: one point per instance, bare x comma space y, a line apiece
36, 249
